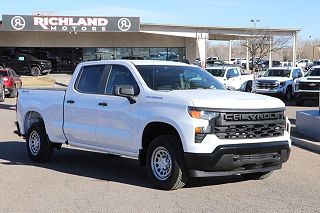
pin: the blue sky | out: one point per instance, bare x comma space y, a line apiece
234, 13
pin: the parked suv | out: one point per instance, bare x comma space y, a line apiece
307, 88
278, 81
25, 64
11, 82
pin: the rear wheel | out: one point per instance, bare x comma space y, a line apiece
35, 71
257, 175
165, 163
2, 95
39, 147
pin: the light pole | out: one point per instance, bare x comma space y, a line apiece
255, 21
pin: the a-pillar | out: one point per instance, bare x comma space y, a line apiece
202, 39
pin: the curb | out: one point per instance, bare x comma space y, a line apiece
310, 145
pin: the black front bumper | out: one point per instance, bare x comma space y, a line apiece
238, 159
309, 96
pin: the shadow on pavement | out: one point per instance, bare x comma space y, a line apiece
99, 166
7, 106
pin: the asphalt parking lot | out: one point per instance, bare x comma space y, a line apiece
83, 181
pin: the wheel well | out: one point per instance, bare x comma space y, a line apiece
150, 132
30, 118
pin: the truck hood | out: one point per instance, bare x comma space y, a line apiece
280, 79
226, 99
310, 78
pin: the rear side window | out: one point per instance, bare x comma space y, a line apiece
91, 79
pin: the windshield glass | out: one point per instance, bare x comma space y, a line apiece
217, 72
168, 77
277, 73
29, 57
313, 72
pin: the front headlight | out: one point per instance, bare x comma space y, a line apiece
202, 114
282, 84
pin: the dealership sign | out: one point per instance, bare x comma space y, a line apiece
70, 24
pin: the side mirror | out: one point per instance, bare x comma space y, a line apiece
229, 76
126, 91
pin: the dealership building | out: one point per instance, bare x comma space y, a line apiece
74, 39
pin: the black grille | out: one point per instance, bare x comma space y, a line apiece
266, 85
309, 85
231, 125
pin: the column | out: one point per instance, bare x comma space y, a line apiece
294, 49
202, 39
247, 64
230, 50
270, 53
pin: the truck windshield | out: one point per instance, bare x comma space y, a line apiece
277, 73
313, 72
217, 72
170, 77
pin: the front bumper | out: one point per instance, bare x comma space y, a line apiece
307, 95
279, 91
238, 159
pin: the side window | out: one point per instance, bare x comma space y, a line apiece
235, 73
121, 75
9, 73
295, 74
229, 73
91, 79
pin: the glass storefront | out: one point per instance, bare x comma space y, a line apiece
66, 59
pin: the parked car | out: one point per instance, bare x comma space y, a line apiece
264, 64
213, 63
2, 91
303, 63
278, 81
311, 64
307, 88
175, 118
232, 77
11, 81
26, 64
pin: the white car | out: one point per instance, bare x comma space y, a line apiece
232, 77
307, 88
175, 118
303, 63
278, 81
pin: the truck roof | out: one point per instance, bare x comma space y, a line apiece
138, 62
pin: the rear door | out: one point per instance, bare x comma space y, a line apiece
80, 105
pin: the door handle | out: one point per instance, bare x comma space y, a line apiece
103, 104
70, 101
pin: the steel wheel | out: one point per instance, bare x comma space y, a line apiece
161, 163
35, 71
34, 143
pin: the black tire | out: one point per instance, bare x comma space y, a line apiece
166, 148
288, 94
14, 92
39, 147
35, 71
248, 89
257, 175
2, 95
299, 103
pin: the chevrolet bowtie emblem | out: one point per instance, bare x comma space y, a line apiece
312, 84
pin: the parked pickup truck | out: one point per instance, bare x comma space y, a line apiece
278, 81
174, 118
307, 88
26, 64
232, 77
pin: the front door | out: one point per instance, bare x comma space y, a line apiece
117, 118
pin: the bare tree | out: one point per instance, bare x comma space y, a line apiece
260, 43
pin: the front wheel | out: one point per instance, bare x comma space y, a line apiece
39, 147
35, 71
165, 164
257, 175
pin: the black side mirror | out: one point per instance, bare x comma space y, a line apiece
126, 91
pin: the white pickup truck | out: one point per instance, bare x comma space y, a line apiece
174, 118
232, 77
